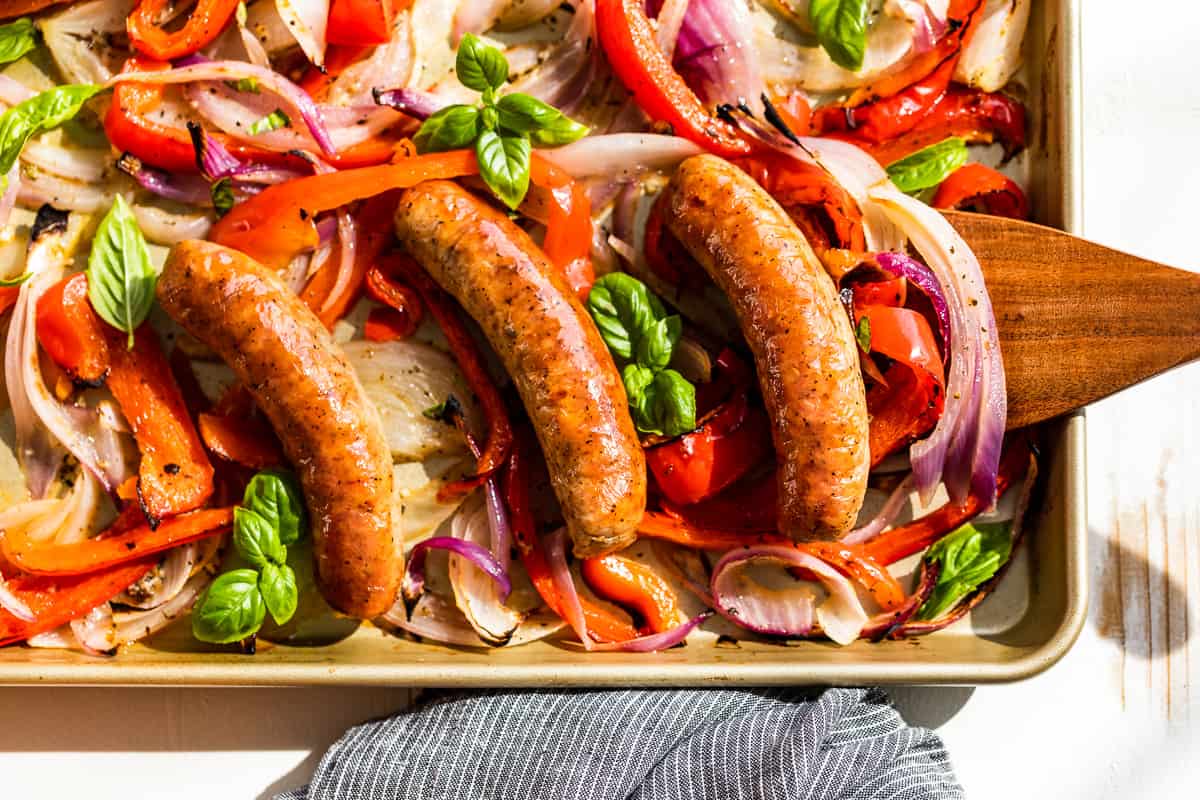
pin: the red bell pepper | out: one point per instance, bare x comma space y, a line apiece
466, 353
628, 40
336, 286
891, 546
665, 255
800, 188
107, 551
749, 505
234, 430
903, 335
362, 22
402, 312
316, 81
131, 129
205, 24
657, 525
568, 242
70, 331
892, 292
601, 623
975, 186
698, 465
853, 561
57, 600
889, 117
634, 585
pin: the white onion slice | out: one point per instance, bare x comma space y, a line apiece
886, 515
306, 19
136, 625
95, 631
857, 172
13, 604
564, 78
669, 21
438, 620
476, 16
620, 156
475, 591
9, 199
994, 53
79, 38
168, 227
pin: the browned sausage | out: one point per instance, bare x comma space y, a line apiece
331, 433
800, 335
19, 8
550, 347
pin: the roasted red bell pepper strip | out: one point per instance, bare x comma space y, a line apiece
891, 546
8, 297
336, 286
628, 40
888, 117
903, 335
107, 551
174, 474
71, 333
854, 562
568, 242
963, 18
400, 301
748, 506
797, 186
974, 116
698, 465
362, 21
636, 586
657, 525
975, 186
56, 600
131, 129
235, 431
205, 24
892, 292
601, 623
466, 354
907, 405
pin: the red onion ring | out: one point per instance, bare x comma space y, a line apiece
922, 277
885, 516
655, 641
413, 584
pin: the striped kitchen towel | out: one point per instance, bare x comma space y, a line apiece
663, 744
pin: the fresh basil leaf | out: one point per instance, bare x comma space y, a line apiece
17, 281
624, 311
17, 39
862, 332
929, 166
42, 112
841, 28
438, 412
121, 278
271, 122
278, 586
480, 66
504, 165
222, 196
230, 609
276, 497
489, 118
968, 557
676, 398
256, 539
451, 128
657, 343
546, 125
662, 402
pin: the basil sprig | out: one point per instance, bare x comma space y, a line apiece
271, 122
968, 557
16, 39
270, 518
502, 130
841, 28
929, 166
40, 113
121, 278
642, 336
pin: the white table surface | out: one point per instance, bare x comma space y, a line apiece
1116, 719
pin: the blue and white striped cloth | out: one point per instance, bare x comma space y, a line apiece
840, 744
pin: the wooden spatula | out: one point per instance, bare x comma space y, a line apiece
1078, 321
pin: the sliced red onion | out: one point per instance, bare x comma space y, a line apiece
166, 579
170, 228
476, 592
42, 423
326, 228
39, 188
13, 604
686, 567
13, 92
85, 166
885, 517
754, 607
130, 627
414, 575
565, 78
71, 520
994, 53
620, 156
655, 641
715, 52
307, 20
921, 276
269, 81
964, 448
416, 103
476, 16
928, 20
888, 623
61, 638
95, 631
214, 159
564, 583
670, 20
190, 189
